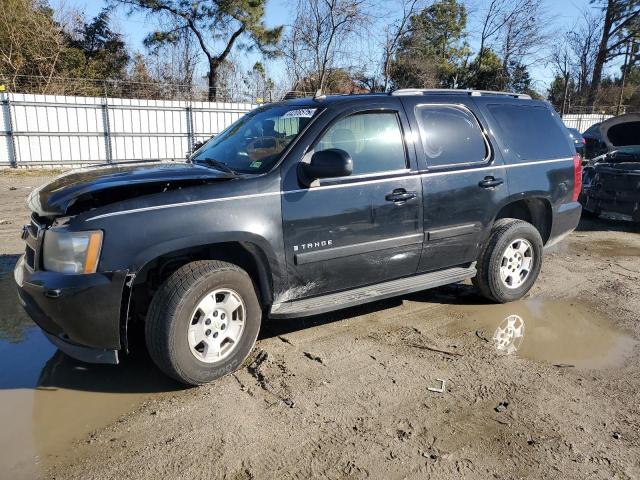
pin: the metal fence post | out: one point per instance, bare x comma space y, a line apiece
8, 121
190, 133
107, 130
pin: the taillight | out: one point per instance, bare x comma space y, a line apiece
584, 141
577, 177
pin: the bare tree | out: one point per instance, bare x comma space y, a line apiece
514, 28
318, 37
496, 15
561, 62
393, 34
621, 23
30, 42
523, 35
583, 44
175, 62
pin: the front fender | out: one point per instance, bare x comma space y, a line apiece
152, 252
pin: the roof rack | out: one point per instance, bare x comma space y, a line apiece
457, 91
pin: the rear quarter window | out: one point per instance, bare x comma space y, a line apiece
530, 132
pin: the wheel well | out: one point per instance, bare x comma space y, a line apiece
244, 254
536, 211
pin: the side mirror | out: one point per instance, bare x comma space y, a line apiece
330, 163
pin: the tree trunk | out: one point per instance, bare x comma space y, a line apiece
213, 77
601, 58
480, 57
565, 94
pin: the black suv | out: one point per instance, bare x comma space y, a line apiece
298, 208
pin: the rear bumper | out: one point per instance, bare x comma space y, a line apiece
79, 313
624, 203
612, 188
565, 220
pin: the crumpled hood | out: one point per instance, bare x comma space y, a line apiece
92, 187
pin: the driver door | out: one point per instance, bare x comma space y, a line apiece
364, 228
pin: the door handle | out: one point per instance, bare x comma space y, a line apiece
400, 195
490, 182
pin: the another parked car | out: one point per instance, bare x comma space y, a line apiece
298, 208
578, 140
611, 181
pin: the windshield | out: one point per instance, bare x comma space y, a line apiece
255, 142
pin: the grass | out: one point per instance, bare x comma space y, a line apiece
30, 172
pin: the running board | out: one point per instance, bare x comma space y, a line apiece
371, 293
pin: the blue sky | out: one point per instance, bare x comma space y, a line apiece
563, 14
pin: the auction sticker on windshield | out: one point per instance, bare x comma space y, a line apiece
300, 113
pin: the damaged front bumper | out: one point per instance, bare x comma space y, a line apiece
611, 189
80, 314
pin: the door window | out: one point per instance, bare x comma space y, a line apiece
373, 140
450, 135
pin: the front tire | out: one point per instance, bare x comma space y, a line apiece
203, 321
510, 262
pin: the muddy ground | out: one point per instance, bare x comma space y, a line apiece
346, 395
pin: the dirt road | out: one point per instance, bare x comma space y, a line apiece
545, 387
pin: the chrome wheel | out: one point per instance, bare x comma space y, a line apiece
216, 325
516, 264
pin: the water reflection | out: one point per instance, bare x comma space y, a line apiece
508, 336
552, 331
47, 400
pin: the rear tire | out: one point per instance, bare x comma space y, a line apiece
203, 321
510, 261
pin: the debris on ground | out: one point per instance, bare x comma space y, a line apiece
502, 406
434, 349
481, 336
313, 357
439, 389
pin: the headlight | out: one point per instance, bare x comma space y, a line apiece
72, 252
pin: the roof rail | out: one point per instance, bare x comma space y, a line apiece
456, 91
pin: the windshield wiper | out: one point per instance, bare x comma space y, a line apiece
219, 165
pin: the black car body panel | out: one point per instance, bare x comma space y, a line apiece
611, 180
81, 308
103, 184
306, 240
612, 186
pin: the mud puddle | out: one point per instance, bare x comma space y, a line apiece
48, 400
557, 332
610, 248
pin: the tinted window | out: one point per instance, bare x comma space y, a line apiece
450, 135
374, 141
530, 132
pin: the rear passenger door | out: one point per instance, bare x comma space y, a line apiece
463, 181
